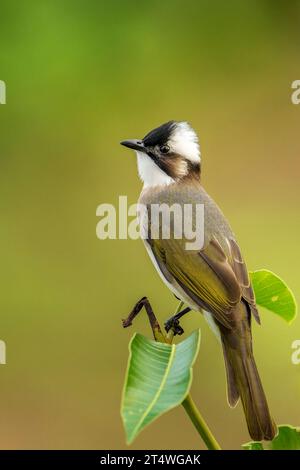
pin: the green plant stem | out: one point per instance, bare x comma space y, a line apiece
191, 408
188, 404
199, 423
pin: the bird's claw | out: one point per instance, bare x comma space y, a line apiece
173, 323
126, 323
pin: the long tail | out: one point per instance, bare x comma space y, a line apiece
243, 381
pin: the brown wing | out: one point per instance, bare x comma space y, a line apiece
241, 272
206, 276
211, 279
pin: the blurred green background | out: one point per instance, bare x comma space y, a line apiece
81, 76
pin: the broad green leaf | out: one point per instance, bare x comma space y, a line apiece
253, 446
158, 378
288, 438
272, 293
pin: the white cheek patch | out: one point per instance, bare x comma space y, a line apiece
150, 173
184, 142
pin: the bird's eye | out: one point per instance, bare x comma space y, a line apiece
164, 148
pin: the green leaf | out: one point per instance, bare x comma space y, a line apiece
253, 446
158, 378
288, 438
272, 293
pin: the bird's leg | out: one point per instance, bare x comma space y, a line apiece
144, 302
134, 312
173, 322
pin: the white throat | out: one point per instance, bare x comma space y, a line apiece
150, 173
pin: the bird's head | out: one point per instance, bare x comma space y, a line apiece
167, 154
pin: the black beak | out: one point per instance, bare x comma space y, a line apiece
134, 144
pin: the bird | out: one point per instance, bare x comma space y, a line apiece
214, 279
